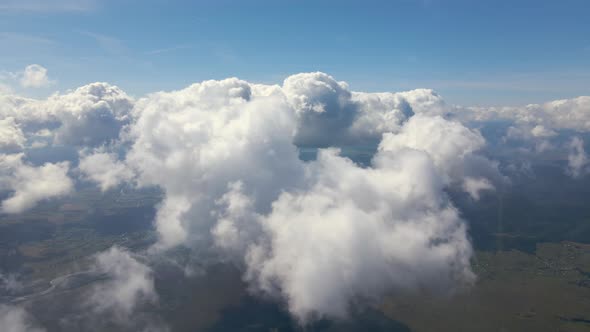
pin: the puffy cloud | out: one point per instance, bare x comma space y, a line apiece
17, 319
11, 136
379, 113
237, 222
319, 234
533, 132
193, 142
357, 233
322, 105
524, 132
91, 115
225, 155
30, 184
425, 101
322, 234
541, 131
130, 284
451, 145
554, 115
577, 158
474, 186
34, 76
104, 169
517, 133
447, 142
528, 139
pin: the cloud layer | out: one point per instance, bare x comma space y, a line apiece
321, 235
225, 154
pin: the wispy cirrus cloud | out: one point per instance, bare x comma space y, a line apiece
168, 49
109, 44
48, 6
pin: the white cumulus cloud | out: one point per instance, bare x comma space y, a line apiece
34, 76
130, 284
225, 155
104, 169
357, 233
30, 184
11, 136
91, 115
451, 146
320, 235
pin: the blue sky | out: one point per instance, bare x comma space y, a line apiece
472, 52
